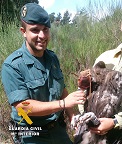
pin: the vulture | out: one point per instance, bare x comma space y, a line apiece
104, 99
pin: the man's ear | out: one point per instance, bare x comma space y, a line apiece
23, 31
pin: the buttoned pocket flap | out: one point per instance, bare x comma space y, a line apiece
35, 83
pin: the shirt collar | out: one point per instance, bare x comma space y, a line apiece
30, 59
118, 51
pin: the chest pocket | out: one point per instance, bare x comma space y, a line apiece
58, 82
37, 89
35, 83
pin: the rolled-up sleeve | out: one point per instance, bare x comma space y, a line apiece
119, 119
14, 85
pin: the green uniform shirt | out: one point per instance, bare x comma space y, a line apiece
25, 77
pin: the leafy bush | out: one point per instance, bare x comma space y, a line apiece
77, 45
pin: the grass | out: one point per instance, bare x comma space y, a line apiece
77, 46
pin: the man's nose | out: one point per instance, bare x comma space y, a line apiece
41, 34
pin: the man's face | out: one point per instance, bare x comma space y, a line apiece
37, 37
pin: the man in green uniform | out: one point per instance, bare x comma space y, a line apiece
34, 84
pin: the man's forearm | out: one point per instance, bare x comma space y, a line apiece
69, 111
39, 108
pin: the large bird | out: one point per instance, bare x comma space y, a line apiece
104, 99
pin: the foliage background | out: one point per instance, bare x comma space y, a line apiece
77, 44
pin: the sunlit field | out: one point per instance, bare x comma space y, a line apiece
77, 45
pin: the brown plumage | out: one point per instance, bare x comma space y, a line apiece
104, 100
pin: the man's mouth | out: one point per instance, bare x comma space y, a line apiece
41, 42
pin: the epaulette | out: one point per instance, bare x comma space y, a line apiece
51, 52
14, 56
48, 50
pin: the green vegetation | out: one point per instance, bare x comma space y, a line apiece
77, 44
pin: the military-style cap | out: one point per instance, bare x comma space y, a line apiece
32, 13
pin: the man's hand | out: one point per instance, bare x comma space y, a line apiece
75, 98
105, 125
